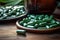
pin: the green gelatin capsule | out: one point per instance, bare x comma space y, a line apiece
43, 23
21, 23
21, 32
32, 17
53, 21
47, 26
29, 26
36, 26
46, 16
31, 23
17, 13
26, 20
58, 23
24, 24
53, 26
51, 17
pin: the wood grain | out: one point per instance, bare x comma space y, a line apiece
8, 32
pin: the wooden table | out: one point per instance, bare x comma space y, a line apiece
8, 32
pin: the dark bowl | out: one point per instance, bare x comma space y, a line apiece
52, 30
13, 19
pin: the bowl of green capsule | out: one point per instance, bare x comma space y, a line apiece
11, 12
39, 24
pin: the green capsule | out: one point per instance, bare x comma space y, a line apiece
26, 20
29, 17
4, 16
53, 26
21, 32
13, 12
13, 16
25, 24
58, 23
45, 19
21, 23
43, 23
38, 21
37, 17
1, 14
32, 17
17, 13
52, 21
36, 26
18, 10
51, 17
47, 26
31, 23
23, 12
29, 26
46, 16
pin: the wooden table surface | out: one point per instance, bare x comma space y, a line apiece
8, 32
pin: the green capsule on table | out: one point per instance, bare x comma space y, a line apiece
21, 32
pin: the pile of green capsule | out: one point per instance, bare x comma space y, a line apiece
9, 12
39, 22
